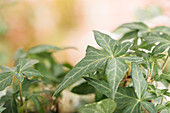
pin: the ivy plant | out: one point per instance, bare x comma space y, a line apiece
122, 72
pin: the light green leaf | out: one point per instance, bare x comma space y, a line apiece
133, 58
5, 79
139, 81
160, 47
29, 72
115, 71
102, 86
149, 107
2, 109
105, 41
104, 106
44, 48
166, 106
122, 49
94, 59
20, 53
133, 107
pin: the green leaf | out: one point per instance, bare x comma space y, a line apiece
133, 107
94, 59
160, 48
157, 37
128, 36
124, 96
162, 29
163, 107
45, 48
2, 109
5, 79
169, 52
25, 63
149, 107
105, 41
139, 81
20, 53
7, 69
135, 25
122, 49
9, 102
29, 72
102, 86
83, 89
19, 76
133, 58
104, 106
115, 71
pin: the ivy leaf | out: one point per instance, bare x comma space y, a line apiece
115, 71
157, 37
133, 58
104, 106
7, 69
129, 35
133, 107
166, 106
135, 25
105, 41
149, 107
5, 79
162, 29
139, 81
19, 76
160, 47
122, 49
124, 96
83, 89
29, 72
94, 59
102, 86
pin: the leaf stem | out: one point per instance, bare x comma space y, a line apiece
149, 76
20, 94
165, 62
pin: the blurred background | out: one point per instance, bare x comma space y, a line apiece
26, 23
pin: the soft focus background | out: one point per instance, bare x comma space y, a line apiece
26, 23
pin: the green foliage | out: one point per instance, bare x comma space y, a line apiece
128, 66
104, 106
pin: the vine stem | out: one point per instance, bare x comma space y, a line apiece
149, 77
20, 94
164, 64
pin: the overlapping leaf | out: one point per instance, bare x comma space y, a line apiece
104, 106
96, 59
115, 71
5, 79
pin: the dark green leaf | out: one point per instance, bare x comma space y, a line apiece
139, 81
104, 106
102, 86
128, 36
83, 89
133, 107
115, 71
